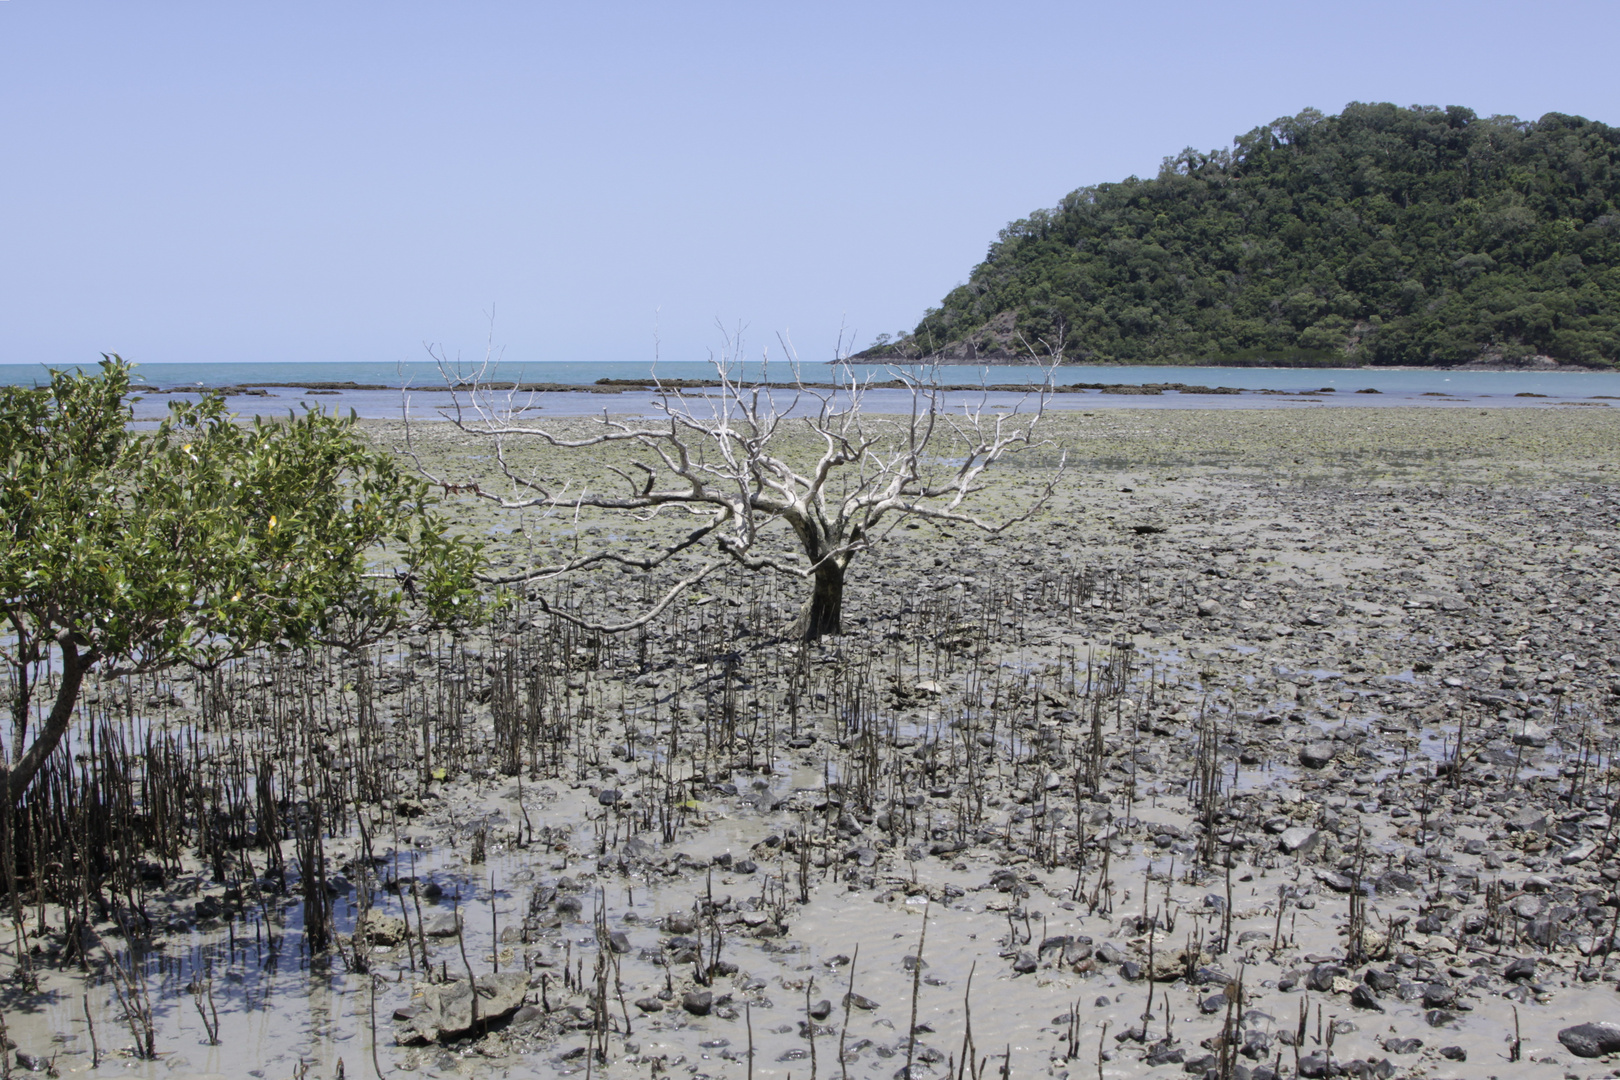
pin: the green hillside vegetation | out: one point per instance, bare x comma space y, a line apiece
1383, 235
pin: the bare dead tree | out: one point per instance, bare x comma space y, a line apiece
727, 455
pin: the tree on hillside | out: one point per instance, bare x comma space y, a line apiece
727, 455
1381, 235
130, 551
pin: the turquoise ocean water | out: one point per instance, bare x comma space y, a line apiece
1264, 387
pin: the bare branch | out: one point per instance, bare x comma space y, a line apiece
746, 455
641, 620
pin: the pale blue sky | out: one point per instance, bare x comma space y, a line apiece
344, 181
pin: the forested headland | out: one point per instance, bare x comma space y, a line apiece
1382, 235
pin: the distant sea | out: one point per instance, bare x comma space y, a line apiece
1263, 387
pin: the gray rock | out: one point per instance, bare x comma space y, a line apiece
1544, 931
1382, 981
697, 1002
680, 922
1335, 881
1533, 735
1362, 997
1077, 951
380, 929
1317, 754
1207, 608
1591, 1039
1437, 995
1579, 853
446, 1010
1522, 968
1398, 881
1056, 942
443, 924
1299, 840
1321, 977
1529, 819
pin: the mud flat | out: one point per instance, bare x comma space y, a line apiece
1283, 744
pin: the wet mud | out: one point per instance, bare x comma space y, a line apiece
1280, 745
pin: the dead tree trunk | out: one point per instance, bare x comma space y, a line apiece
823, 613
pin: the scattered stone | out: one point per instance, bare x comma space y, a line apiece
1321, 977
446, 1010
1579, 853
1522, 968
1592, 1039
1397, 881
1299, 840
1532, 735
1362, 997
1529, 819
1335, 881
442, 925
379, 929
1381, 981
1317, 754
1438, 996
